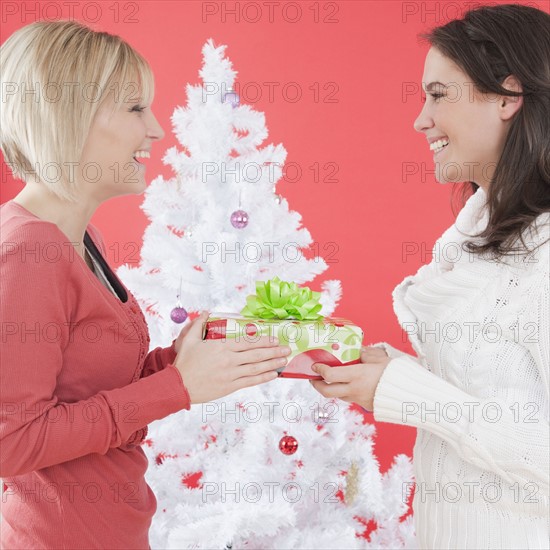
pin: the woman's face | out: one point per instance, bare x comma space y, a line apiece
108, 167
474, 124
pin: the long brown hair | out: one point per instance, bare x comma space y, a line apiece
489, 44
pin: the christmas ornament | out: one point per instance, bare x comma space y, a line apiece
178, 314
352, 479
288, 445
231, 97
322, 417
239, 219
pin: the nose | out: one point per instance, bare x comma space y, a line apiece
423, 121
154, 130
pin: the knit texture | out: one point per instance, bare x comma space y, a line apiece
78, 388
477, 391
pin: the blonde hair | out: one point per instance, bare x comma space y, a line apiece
55, 76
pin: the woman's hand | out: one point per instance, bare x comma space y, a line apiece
181, 336
211, 369
354, 383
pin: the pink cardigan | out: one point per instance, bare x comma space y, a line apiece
77, 390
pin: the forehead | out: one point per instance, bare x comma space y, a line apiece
439, 68
127, 92
132, 88
135, 85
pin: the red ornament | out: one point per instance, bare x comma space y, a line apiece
288, 445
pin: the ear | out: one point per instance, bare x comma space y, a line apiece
509, 105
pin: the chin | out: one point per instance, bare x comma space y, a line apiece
139, 184
440, 179
449, 173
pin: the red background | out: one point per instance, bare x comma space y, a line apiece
369, 51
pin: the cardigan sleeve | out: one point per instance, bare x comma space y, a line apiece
36, 428
158, 359
515, 448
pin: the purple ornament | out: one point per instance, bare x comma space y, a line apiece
232, 98
178, 315
239, 219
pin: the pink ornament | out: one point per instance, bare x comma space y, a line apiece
321, 417
232, 98
178, 315
288, 445
239, 219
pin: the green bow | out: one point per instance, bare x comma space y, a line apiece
276, 299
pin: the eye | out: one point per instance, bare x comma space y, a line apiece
138, 109
434, 95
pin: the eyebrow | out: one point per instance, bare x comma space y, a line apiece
433, 84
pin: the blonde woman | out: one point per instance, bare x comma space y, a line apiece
78, 386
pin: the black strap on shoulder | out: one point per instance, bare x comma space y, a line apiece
111, 277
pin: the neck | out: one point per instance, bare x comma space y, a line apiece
71, 218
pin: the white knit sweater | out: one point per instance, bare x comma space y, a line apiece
478, 391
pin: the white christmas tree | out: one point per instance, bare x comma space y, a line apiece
218, 226
277, 465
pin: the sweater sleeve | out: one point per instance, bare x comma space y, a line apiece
158, 359
393, 352
488, 433
36, 428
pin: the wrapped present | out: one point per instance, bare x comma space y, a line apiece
290, 313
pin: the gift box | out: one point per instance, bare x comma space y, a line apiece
290, 313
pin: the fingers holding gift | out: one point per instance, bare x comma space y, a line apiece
252, 369
336, 390
248, 343
355, 383
262, 354
258, 366
371, 354
249, 381
336, 374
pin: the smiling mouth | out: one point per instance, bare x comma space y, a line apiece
140, 155
439, 145
438, 151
